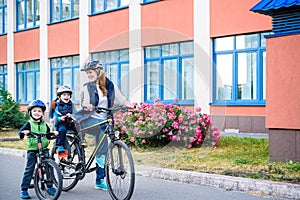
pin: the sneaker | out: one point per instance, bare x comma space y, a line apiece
60, 149
24, 195
101, 186
100, 161
51, 191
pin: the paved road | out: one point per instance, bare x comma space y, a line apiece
11, 170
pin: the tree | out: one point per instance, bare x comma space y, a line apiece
11, 115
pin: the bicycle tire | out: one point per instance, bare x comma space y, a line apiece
69, 182
47, 175
119, 171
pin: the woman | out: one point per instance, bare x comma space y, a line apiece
99, 92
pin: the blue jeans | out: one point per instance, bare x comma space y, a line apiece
30, 166
97, 132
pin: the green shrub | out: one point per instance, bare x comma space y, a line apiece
10, 114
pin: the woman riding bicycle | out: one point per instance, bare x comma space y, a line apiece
99, 92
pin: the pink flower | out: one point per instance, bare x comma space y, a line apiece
175, 125
131, 139
143, 141
198, 109
176, 99
190, 146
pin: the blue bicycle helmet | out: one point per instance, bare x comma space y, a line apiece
36, 103
93, 64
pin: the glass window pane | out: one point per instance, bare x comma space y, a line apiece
111, 4
67, 79
124, 55
187, 48
30, 86
30, 13
98, 5
225, 43
188, 79
112, 72
264, 75
247, 76
76, 89
56, 80
37, 12
247, 41
152, 80
124, 2
152, 52
76, 60
170, 79
170, 49
21, 87
1, 21
21, 10
66, 61
76, 8
111, 56
124, 82
224, 77
55, 10
37, 88
66, 9
55, 62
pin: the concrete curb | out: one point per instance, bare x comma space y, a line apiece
269, 188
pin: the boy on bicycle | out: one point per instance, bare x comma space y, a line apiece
63, 113
35, 124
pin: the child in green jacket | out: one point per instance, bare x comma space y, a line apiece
35, 124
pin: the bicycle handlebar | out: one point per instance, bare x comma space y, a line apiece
37, 135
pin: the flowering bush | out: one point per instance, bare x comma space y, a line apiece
159, 124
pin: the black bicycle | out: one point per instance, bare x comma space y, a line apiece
47, 175
119, 164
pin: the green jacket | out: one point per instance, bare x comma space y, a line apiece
36, 127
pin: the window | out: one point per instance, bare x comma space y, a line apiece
3, 76
65, 71
239, 70
61, 10
3, 16
28, 14
116, 66
99, 6
169, 72
28, 78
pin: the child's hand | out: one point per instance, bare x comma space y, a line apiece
26, 132
69, 115
55, 133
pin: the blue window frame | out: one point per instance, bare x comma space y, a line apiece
28, 14
100, 6
116, 66
148, 1
62, 10
3, 16
169, 73
65, 71
28, 79
239, 70
3, 76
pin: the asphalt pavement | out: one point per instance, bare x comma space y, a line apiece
255, 186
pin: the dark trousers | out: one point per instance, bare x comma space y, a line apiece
30, 166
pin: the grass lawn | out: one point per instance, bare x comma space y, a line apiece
234, 156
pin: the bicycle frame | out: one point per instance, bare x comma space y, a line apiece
92, 157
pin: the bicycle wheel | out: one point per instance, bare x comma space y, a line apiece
119, 171
70, 167
47, 180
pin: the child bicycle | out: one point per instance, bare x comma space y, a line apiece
119, 165
47, 175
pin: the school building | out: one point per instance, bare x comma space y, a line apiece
237, 60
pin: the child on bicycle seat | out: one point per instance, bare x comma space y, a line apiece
35, 124
64, 112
